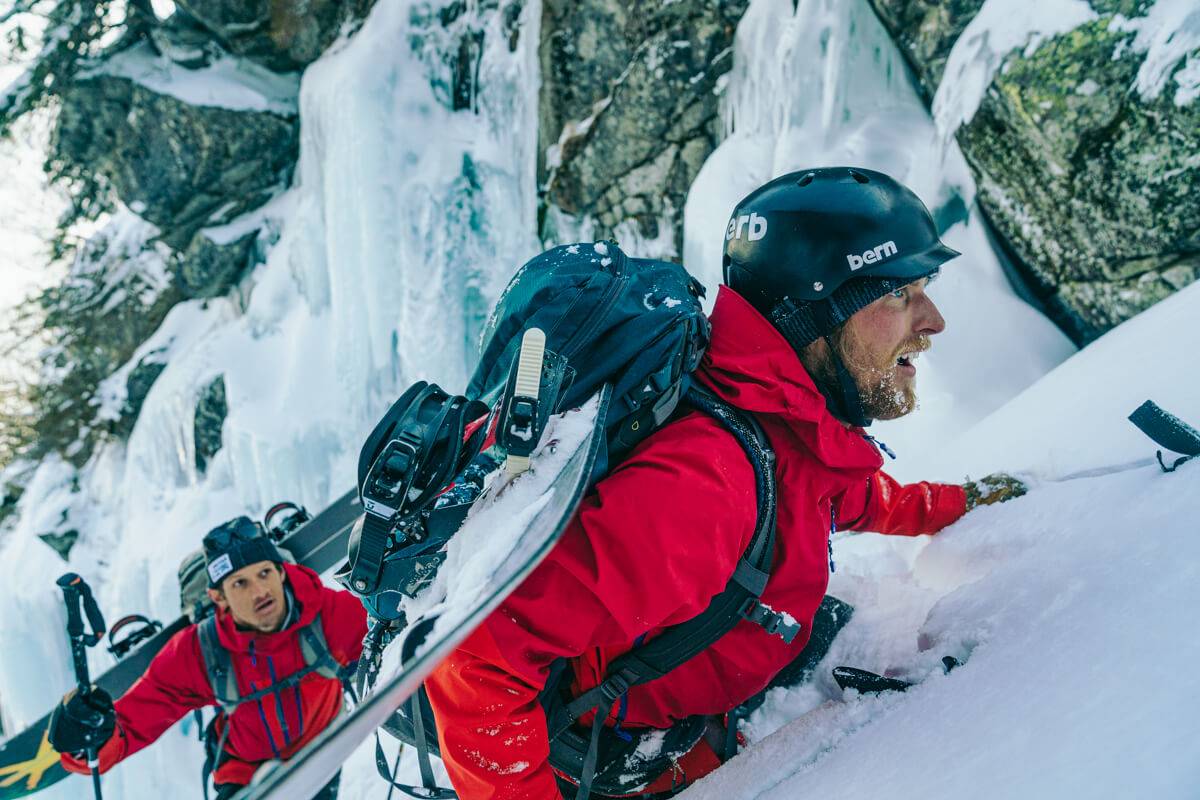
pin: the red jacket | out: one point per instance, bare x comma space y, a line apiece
271, 728
655, 540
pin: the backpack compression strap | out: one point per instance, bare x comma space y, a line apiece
739, 600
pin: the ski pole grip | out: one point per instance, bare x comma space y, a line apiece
69, 584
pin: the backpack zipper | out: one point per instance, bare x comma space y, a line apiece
600, 311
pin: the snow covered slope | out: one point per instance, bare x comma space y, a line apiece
1072, 609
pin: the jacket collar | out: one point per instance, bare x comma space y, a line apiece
750, 365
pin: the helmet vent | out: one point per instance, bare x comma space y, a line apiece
858, 176
806, 180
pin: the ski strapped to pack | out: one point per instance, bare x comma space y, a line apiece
679, 643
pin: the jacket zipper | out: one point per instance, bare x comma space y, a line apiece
280, 714
262, 713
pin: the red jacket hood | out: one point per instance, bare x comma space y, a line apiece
750, 365
306, 591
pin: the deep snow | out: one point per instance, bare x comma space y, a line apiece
405, 221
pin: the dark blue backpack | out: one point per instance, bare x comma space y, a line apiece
634, 322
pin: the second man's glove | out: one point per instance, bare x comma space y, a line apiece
82, 721
995, 488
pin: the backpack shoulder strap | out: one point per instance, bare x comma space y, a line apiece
315, 649
218, 665
740, 598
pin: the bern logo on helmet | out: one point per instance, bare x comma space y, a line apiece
872, 256
754, 225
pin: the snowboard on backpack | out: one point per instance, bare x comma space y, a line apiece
29, 764
511, 527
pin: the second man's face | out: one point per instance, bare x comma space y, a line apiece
254, 595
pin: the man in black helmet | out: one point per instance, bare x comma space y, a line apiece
838, 260
814, 335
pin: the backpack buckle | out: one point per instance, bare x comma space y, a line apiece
776, 623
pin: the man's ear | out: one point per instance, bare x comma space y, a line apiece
218, 598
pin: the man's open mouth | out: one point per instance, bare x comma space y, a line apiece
907, 361
264, 605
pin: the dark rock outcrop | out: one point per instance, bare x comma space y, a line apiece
211, 411
1090, 184
179, 166
61, 542
629, 106
209, 269
282, 35
137, 386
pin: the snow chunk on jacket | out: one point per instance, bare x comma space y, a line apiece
274, 727
652, 544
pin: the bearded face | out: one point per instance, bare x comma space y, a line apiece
879, 347
886, 380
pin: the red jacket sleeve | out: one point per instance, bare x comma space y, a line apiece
344, 621
173, 685
883, 505
651, 546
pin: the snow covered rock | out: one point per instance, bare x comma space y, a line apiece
1079, 123
184, 148
280, 36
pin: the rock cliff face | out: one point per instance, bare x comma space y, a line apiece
282, 35
190, 123
1086, 174
1088, 177
629, 110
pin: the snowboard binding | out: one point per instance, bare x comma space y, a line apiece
140, 628
407, 460
422, 469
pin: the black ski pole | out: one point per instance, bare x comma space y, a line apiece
77, 593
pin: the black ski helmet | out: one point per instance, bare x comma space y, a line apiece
827, 242
812, 248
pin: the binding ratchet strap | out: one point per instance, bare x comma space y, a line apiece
414, 451
519, 424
